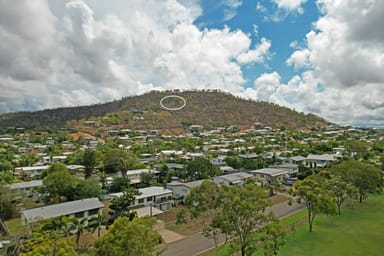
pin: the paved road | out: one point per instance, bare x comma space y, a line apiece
197, 243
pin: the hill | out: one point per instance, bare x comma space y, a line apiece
207, 108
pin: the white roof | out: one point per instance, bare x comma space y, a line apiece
324, 157
33, 168
146, 192
138, 172
233, 177
67, 208
270, 171
27, 184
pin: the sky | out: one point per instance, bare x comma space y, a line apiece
324, 57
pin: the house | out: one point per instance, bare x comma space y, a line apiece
181, 189
238, 179
321, 161
157, 197
31, 172
84, 208
227, 169
296, 160
26, 188
292, 169
218, 161
269, 175
76, 169
134, 176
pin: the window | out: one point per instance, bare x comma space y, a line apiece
150, 199
141, 200
93, 212
79, 214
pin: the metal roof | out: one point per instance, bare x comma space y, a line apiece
27, 184
270, 171
62, 209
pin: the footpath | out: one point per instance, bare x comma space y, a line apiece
197, 243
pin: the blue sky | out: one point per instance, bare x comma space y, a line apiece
316, 56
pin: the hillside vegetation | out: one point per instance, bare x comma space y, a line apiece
207, 108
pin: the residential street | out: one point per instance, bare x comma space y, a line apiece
197, 243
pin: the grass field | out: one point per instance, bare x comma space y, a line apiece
358, 231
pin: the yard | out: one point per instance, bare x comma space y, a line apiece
358, 231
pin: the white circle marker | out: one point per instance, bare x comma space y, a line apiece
173, 96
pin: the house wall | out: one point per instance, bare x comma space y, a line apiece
162, 202
179, 190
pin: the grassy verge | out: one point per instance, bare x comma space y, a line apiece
358, 231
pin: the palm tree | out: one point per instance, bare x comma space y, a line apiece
96, 222
78, 226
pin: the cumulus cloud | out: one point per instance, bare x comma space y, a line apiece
290, 5
258, 55
280, 9
345, 52
230, 8
56, 53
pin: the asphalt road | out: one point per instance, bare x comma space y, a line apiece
197, 243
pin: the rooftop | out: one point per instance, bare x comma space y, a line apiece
62, 209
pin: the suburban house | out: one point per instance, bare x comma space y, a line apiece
134, 176
84, 208
218, 161
295, 160
322, 161
76, 169
237, 179
30, 172
181, 189
292, 169
26, 188
269, 175
158, 197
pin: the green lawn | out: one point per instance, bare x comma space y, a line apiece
358, 231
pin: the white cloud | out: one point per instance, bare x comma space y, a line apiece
81, 52
290, 5
345, 52
258, 55
299, 59
230, 10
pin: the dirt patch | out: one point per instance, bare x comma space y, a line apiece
278, 198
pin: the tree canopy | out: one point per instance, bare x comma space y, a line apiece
128, 238
312, 191
365, 177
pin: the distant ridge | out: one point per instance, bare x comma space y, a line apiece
210, 109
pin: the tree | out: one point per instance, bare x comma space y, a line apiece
78, 225
119, 184
89, 162
87, 188
236, 211
201, 168
118, 160
317, 199
5, 165
95, 222
58, 184
7, 208
128, 238
164, 174
121, 205
47, 238
341, 191
242, 215
365, 177
147, 179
